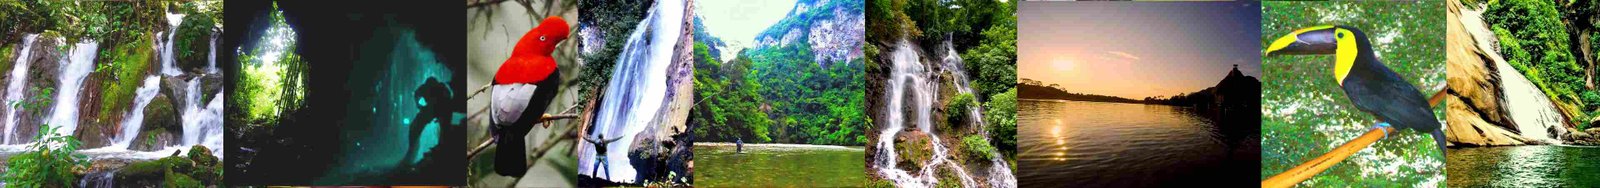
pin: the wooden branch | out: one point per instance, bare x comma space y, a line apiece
544, 120
479, 3
1322, 163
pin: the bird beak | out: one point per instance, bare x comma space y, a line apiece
1307, 41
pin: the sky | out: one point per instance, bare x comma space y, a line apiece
1137, 49
738, 21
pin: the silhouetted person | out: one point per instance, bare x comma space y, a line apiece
738, 145
432, 94
600, 153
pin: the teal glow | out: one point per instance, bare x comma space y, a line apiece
422, 101
427, 142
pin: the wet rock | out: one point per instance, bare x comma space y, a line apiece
192, 42
1488, 99
162, 124
196, 169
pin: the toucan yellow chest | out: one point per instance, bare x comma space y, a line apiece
1345, 55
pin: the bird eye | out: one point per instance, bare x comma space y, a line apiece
541, 38
1341, 35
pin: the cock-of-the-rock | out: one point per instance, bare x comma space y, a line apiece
523, 88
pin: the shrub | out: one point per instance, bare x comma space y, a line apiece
977, 147
49, 163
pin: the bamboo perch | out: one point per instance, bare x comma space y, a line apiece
1322, 163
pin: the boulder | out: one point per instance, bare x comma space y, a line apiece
161, 127
196, 169
193, 42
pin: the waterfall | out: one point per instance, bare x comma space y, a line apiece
201, 125
168, 63
952, 63
999, 171
908, 74
135, 118
99, 179
78, 64
637, 89
15, 89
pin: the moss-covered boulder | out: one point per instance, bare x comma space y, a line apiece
162, 124
194, 170
913, 150
193, 42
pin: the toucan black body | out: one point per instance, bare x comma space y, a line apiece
1367, 82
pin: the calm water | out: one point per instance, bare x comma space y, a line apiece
1524, 166
1093, 144
763, 166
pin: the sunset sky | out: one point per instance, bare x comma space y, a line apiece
1137, 49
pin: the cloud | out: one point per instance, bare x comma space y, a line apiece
1123, 55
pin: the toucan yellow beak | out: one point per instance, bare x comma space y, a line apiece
1306, 41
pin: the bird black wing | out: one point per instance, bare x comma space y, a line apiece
1377, 90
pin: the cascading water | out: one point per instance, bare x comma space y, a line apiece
168, 63
78, 64
637, 88
909, 75
999, 171
952, 63
202, 125
14, 90
135, 119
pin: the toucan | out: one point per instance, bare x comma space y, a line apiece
523, 88
1366, 81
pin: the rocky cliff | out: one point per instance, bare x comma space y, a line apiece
1489, 103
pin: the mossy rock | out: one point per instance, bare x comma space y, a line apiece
193, 42
196, 169
913, 150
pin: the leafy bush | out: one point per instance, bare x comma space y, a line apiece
977, 147
1001, 112
956, 111
49, 162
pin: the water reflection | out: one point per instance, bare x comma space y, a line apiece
1524, 166
1123, 145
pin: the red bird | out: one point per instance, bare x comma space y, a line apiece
523, 89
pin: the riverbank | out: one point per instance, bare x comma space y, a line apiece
779, 165
780, 145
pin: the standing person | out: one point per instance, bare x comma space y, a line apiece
600, 152
738, 144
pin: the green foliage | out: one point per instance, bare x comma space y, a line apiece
615, 20
728, 106
993, 64
1305, 113
956, 111
48, 163
1001, 112
977, 147
885, 21
1534, 40
271, 81
824, 102
779, 94
128, 63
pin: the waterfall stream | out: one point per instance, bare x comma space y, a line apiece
999, 171
637, 90
135, 119
77, 66
14, 89
909, 75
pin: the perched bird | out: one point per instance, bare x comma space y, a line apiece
523, 88
1371, 85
